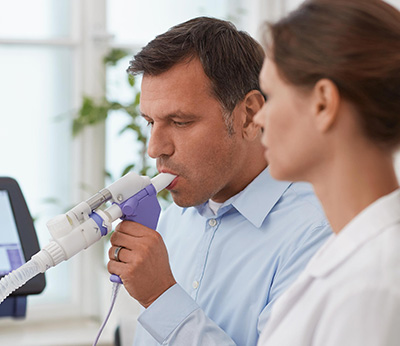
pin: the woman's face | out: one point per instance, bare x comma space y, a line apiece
290, 138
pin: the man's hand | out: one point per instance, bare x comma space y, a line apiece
143, 264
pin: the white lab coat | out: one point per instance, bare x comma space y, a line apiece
349, 294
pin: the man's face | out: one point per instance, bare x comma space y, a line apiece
189, 137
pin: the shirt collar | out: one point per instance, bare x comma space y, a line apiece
365, 226
256, 200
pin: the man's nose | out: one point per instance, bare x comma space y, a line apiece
160, 143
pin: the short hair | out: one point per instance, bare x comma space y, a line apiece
231, 59
355, 44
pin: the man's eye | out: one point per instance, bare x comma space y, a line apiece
181, 123
149, 123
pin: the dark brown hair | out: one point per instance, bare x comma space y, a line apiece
231, 59
355, 44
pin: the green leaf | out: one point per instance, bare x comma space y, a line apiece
77, 127
131, 80
137, 99
127, 169
107, 174
131, 126
114, 56
116, 106
87, 106
132, 110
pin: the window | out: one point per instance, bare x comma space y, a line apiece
36, 88
49, 58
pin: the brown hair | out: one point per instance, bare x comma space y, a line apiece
231, 59
355, 44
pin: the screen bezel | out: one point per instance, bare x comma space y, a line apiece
26, 232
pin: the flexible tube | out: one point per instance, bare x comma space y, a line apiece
115, 289
17, 278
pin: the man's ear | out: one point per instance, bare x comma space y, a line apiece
252, 103
326, 100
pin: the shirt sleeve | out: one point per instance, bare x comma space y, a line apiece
295, 263
175, 319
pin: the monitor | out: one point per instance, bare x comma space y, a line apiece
18, 240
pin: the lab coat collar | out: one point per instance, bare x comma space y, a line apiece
373, 220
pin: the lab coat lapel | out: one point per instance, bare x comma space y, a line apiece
330, 257
288, 300
372, 221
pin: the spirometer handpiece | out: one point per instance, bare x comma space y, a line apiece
143, 208
133, 197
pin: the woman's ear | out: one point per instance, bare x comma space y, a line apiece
326, 100
252, 103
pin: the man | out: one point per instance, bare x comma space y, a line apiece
236, 238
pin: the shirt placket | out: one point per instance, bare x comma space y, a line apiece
210, 227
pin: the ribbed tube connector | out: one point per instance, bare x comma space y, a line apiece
17, 278
56, 252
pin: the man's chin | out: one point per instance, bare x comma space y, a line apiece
185, 202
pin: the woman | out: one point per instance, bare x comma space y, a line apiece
332, 117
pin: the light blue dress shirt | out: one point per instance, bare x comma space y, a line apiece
232, 266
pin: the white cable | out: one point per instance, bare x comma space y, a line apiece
115, 289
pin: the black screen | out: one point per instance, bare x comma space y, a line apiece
18, 240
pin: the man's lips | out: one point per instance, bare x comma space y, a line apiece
173, 183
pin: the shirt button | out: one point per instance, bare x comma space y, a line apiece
195, 284
212, 222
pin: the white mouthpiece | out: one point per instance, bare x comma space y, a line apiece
161, 181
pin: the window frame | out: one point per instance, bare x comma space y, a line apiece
89, 42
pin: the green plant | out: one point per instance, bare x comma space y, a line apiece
96, 111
